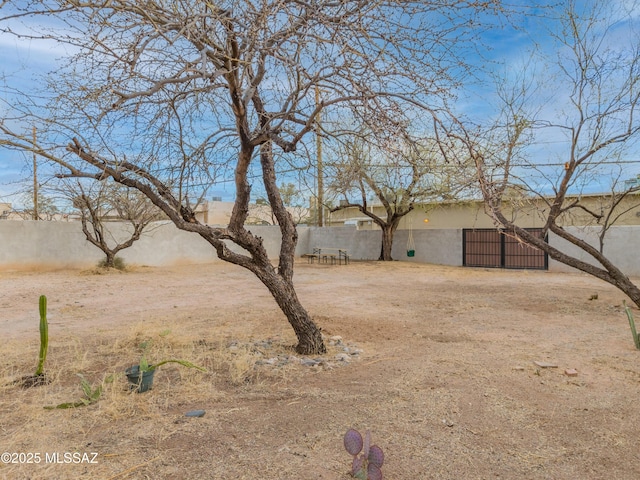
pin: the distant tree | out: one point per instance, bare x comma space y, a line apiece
101, 204
295, 202
292, 200
593, 117
47, 207
401, 174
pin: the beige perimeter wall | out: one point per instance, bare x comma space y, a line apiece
26, 244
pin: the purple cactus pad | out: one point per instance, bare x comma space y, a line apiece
353, 441
374, 472
356, 466
376, 456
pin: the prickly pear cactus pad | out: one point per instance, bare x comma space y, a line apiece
376, 456
353, 441
365, 465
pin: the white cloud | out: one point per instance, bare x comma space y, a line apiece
23, 46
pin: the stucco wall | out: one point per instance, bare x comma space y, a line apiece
47, 244
621, 246
62, 244
441, 247
361, 244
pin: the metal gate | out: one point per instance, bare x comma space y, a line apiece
490, 248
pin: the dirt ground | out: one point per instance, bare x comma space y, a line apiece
446, 380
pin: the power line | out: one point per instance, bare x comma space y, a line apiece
562, 164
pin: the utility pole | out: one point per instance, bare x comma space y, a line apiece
320, 198
35, 180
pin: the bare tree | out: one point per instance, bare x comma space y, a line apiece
46, 210
292, 200
400, 174
295, 202
102, 203
197, 86
595, 127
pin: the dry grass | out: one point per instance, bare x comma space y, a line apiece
446, 382
101, 359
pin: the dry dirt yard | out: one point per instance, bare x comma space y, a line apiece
446, 380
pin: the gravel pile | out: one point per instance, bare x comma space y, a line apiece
338, 353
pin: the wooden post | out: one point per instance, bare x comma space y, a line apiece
35, 180
320, 199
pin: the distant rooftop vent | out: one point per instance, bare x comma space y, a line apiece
633, 182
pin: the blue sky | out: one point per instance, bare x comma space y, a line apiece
22, 60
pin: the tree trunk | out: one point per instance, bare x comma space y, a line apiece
110, 259
280, 281
309, 335
388, 230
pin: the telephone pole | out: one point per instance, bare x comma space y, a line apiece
320, 197
35, 180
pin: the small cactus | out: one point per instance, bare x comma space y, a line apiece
44, 336
40, 378
365, 465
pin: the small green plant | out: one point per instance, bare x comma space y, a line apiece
44, 336
366, 465
118, 263
91, 395
145, 366
632, 324
140, 376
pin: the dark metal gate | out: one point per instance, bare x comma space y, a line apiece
487, 247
